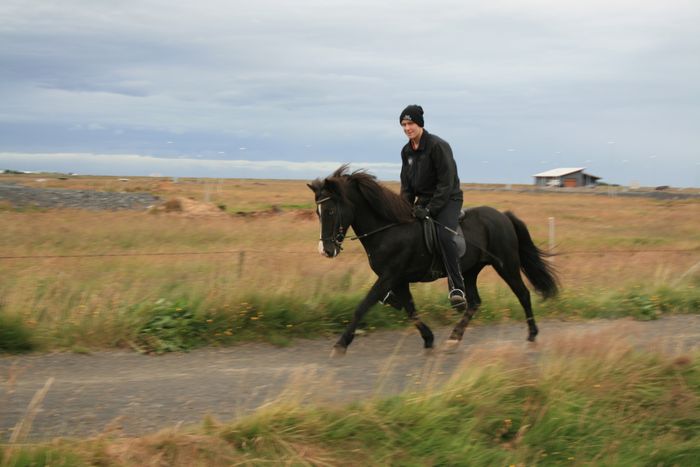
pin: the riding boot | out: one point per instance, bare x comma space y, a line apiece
449, 218
455, 280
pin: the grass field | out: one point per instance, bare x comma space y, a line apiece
250, 270
583, 401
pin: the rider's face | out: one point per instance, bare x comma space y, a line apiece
411, 129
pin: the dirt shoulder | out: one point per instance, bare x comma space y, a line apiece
136, 394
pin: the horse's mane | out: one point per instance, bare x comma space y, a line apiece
384, 202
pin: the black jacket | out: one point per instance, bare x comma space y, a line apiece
429, 174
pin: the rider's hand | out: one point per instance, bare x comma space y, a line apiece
420, 212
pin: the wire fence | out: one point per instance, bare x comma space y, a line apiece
305, 252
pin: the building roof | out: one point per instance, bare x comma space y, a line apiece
560, 172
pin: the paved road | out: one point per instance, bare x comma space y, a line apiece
140, 394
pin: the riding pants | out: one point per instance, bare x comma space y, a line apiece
449, 217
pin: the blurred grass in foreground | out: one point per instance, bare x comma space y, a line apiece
577, 400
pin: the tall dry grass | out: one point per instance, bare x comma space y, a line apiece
609, 263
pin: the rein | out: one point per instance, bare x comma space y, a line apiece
359, 237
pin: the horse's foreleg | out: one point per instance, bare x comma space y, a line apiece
379, 290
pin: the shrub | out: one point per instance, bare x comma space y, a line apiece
173, 205
15, 337
171, 327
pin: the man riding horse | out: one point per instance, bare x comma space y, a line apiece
429, 182
397, 249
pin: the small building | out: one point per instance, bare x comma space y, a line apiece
566, 177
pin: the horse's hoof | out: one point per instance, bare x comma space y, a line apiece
451, 345
338, 352
429, 351
531, 338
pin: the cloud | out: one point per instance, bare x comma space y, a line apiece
331, 76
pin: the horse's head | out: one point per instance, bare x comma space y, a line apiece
334, 211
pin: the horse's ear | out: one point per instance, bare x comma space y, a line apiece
331, 186
315, 186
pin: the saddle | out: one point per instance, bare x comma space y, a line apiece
432, 243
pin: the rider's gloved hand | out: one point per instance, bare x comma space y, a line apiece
420, 212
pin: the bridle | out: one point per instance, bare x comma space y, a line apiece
338, 237
338, 234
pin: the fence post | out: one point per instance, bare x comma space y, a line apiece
241, 260
551, 236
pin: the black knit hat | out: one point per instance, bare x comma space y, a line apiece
413, 113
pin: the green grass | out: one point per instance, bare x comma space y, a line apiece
15, 337
180, 321
175, 326
42, 456
640, 302
583, 401
171, 326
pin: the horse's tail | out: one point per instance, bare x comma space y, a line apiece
539, 272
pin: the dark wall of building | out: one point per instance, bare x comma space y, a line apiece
580, 179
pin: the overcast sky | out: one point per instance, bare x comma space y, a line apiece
292, 89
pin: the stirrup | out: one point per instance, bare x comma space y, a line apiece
457, 297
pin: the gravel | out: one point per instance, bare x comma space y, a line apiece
21, 196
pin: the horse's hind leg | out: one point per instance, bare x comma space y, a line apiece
473, 302
404, 297
516, 284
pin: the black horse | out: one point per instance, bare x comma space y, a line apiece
394, 242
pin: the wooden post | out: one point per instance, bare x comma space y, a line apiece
551, 235
241, 260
